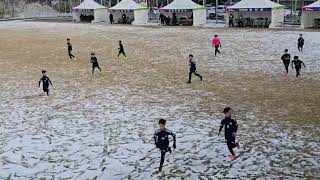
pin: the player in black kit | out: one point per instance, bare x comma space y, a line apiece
286, 59
230, 126
94, 62
121, 49
300, 43
193, 68
161, 139
297, 64
70, 50
45, 82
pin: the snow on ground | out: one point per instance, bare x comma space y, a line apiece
101, 126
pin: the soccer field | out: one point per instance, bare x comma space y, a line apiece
101, 126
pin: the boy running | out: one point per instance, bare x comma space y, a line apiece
161, 140
216, 43
286, 58
300, 43
121, 49
193, 68
94, 62
70, 50
45, 82
230, 126
297, 64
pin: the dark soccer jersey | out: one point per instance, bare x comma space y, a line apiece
45, 81
230, 126
286, 58
94, 61
121, 47
297, 63
161, 138
193, 65
69, 46
300, 41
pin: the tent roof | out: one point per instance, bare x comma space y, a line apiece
263, 4
89, 4
127, 5
182, 5
313, 5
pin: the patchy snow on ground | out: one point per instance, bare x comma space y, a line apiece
101, 126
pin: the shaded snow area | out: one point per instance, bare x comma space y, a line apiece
101, 126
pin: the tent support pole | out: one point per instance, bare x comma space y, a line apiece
216, 12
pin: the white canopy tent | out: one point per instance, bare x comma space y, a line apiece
265, 9
198, 12
133, 10
310, 15
90, 7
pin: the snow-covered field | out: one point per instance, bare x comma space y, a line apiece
101, 126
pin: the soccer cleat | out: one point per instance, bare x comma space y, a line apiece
189, 82
200, 78
238, 146
233, 157
169, 150
160, 168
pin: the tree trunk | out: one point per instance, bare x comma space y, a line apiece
70, 5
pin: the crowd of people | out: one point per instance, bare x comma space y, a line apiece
124, 19
173, 21
242, 22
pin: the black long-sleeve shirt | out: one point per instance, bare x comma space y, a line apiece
286, 58
94, 61
230, 126
192, 65
297, 63
161, 138
121, 47
300, 41
45, 81
69, 46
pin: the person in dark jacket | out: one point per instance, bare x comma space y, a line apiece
111, 18
94, 62
70, 50
174, 19
167, 20
230, 126
162, 18
297, 64
121, 49
161, 140
286, 59
124, 18
300, 43
45, 82
231, 20
193, 68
